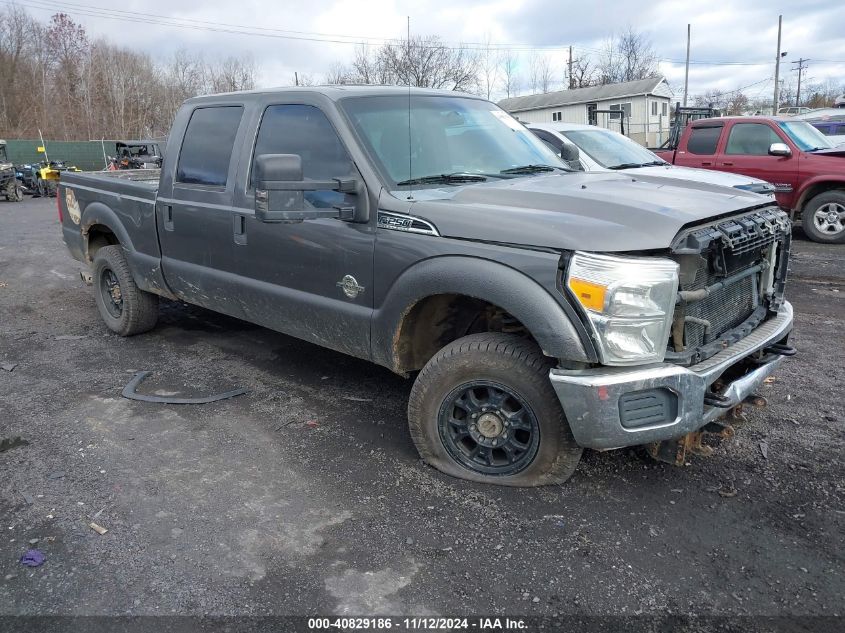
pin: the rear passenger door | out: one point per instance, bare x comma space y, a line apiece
194, 212
701, 148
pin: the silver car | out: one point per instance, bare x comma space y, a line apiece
600, 149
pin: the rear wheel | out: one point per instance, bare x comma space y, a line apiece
483, 409
125, 308
823, 218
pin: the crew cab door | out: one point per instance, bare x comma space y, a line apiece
194, 210
699, 146
746, 151
311, 279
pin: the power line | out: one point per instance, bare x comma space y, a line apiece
314, 36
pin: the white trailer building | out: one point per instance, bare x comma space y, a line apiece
641, 107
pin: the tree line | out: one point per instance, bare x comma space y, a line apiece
53, 78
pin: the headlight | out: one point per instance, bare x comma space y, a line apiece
629, 301
763, 188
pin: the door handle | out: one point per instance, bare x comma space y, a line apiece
728, 163
239, 228
706, 163
168, 217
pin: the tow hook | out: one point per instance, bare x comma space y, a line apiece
675, 451
781, 349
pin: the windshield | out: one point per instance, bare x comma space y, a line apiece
454, 137
804, 135
611, 150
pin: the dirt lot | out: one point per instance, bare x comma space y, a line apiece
306, 496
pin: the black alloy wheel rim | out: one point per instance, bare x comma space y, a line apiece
488, 428
110, 290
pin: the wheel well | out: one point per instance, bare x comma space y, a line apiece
815, 189
99, 235
436, 321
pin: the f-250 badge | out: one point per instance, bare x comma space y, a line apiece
350, 286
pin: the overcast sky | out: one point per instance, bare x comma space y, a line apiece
744, 34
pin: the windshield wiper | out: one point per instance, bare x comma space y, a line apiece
628, 165
443, 179
530, 169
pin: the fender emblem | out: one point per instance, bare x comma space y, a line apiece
350, 286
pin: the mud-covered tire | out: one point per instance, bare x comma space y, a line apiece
477, 367
127, 310
817, 214
18, 194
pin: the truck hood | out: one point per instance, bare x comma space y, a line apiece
839, 150
721, 178
584, 211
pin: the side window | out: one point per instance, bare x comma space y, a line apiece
654, 108
549, 139
751, 139
305, 130
703, 140
207, 146
825, 128
665, 108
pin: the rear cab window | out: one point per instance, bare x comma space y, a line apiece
207, 146
704, 140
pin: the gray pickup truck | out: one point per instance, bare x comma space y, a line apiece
541, 310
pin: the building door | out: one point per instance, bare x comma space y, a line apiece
592, 117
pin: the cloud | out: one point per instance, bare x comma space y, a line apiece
737, 32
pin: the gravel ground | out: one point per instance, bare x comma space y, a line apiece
306, 496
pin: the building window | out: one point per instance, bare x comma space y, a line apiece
622, 108
665, 108
556, 116
654, 108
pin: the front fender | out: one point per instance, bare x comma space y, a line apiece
809, 187
551, 323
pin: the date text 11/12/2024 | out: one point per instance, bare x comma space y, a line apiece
417, 624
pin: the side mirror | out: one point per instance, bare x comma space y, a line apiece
280, 191
779, 149
569, 152
571, 155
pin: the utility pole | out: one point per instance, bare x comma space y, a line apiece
777, 70
801, 68
686, 72
571, 78
296, 77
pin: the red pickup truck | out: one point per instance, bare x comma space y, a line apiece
807, 170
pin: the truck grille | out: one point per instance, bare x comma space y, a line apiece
721, 257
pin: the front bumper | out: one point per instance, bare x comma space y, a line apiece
591, 397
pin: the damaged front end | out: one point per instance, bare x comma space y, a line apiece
729, 332
732, 277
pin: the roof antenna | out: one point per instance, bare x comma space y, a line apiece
408, 70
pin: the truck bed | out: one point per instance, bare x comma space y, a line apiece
141, 183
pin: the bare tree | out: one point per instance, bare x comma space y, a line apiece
231, 74
425, 62
490, 67
627, 57
508, 65
583, 72
338, 74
